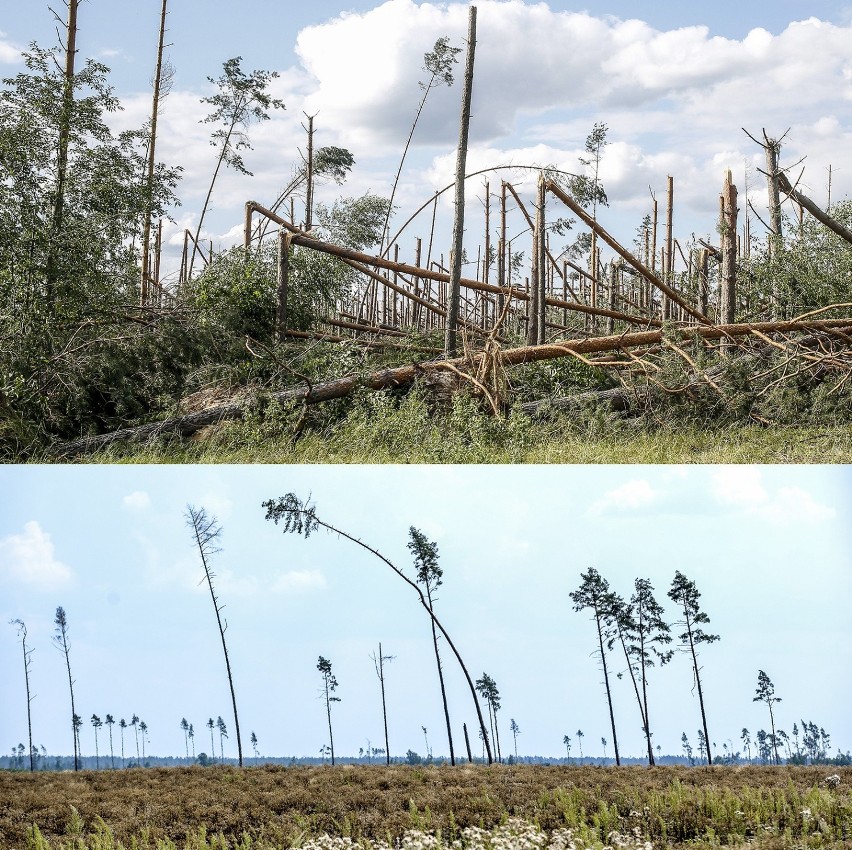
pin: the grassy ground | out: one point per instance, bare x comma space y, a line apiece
276, 807
500, 443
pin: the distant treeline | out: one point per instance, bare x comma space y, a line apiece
61, 763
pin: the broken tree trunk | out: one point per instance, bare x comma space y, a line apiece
454, 294
405, 375
283, 283
625, 254
540, 253
299, 238
149, 176
669, 265
65, 118
822, 217
728, 236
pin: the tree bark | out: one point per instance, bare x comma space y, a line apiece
441, 681
62, 154
728, 238
606, 683
384, 704
669, 266
625, 254
405, 375
149, 177
283, 284
450, 344
831, 223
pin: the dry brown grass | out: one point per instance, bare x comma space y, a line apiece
283, 806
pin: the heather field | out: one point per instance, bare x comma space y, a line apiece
416, 808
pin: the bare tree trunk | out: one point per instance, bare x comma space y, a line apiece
696, 669
703, 284
540, 255
728, 238
62, 155
534, 303
773, 152
201, 529
606, 683
384, 704
328, 711
309, 192
441, 680
669, 263
450, 343
283, 283
149, 178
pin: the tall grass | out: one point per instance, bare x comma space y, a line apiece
381, 428
325, 808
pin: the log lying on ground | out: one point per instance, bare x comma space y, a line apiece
402, 376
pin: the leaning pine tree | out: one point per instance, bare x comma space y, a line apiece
684, 593
648, 633
429, 574
300, 517
206, 532
594, 594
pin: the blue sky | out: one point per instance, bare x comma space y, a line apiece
769, 549
675, 83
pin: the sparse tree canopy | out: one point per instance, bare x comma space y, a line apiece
206, 531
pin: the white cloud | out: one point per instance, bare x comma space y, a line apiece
743, 487
216, 504
675, 102
635, 495
298, 581
138, 500
9, 53
228, 583
30, 558
793, 503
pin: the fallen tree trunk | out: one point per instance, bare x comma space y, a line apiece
402, 376
351, 256
813, 209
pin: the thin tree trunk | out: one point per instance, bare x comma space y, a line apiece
425, 603
441, 680
65, 649
728, 238
29, 698
309, 192
698, 684
62, 155
669, 266
224, 645
497, 737
328, 711
384, 704
450, 344
540, 256
283, 283
774, 739
149, 179
606, 683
